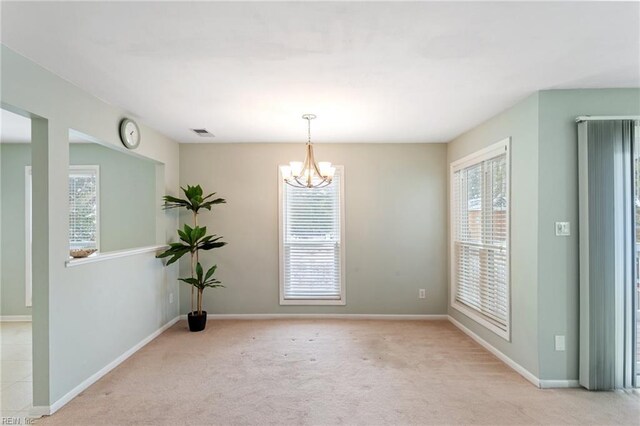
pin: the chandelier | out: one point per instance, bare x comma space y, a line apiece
308, 174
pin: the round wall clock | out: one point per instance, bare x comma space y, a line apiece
129, 133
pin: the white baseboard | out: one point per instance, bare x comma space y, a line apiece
322, 316
542, 384
44, 410
502, 357
15, 318
554, 384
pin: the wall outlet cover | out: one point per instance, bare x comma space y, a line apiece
563, 229
560, 343
422, 293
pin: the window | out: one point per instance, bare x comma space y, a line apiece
312, 244
83, 214
480, 237
83, 207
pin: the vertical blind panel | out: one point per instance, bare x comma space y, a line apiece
480, 205
311, 241
83, 209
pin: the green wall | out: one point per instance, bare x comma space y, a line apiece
395, 234
127, 209
544, 268
127, 298
14, 158
128, 202
558, 257
520, 123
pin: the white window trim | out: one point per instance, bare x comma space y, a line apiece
94, 169
477, 157
343, 292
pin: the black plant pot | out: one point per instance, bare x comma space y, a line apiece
197, 322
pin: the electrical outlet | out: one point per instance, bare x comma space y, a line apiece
170, 297
560, 346
422, 293
563, 229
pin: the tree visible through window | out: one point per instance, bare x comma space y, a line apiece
480, 237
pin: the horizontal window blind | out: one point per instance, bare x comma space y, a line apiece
83, 208
312, 241
480, 237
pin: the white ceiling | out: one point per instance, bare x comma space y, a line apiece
14, 128
372, 72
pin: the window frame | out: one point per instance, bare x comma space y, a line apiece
491, 151
281, 252
92, 169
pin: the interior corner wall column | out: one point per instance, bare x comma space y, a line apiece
607, 254
40, 256
50, 162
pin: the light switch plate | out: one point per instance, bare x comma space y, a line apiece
563, 229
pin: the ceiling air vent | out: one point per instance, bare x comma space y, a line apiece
203, 133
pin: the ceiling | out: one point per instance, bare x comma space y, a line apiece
371, 71
14, 128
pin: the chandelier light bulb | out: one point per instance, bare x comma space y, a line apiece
286, 172
324, 167
296, 168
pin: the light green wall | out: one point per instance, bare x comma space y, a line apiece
558, 273
128, 201
126, 298
521, 124
544, 268
395, 203
128, 207
12, 278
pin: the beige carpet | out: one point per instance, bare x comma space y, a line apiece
329, 372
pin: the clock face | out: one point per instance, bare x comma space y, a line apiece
129, 133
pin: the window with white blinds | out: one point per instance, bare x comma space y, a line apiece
312, 243
480, 237
83, 207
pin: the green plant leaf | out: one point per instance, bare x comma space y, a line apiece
199, 272
194, 199
210, 272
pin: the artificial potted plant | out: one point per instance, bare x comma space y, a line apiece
192, 240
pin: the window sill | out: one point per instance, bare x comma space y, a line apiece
477, 317
313, 302
100, 257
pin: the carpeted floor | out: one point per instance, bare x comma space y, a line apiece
329, 372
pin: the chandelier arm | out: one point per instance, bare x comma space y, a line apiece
313, 161
295, 185
302, 185
308, 161
325, 182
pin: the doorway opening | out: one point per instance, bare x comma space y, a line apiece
16, 341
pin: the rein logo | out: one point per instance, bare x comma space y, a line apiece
17, 421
